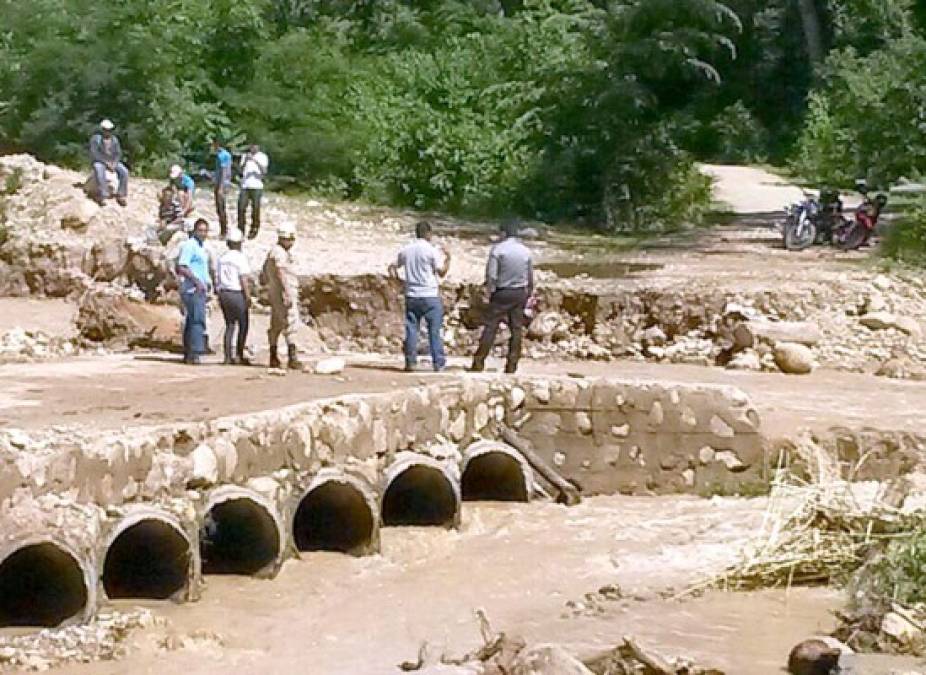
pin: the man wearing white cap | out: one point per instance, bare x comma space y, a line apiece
185, 188
233, 272
106, 155
283, 289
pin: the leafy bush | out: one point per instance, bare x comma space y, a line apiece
738, 136
896, 575
867, 120
906, 240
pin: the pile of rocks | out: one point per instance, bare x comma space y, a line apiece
102, 639
20, 346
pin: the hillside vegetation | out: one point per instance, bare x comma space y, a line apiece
586, 110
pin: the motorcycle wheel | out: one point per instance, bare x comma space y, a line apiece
796, 240
850, 238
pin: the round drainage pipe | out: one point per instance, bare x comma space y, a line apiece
494, 471
337, 512
45, 583
241, 532
149, 555
419, 490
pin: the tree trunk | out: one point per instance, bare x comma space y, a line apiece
812, 36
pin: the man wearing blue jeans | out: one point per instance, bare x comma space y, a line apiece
423, 267
193, 266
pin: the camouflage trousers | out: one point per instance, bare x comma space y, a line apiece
283, 319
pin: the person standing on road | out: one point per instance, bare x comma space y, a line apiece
106, 155
254, 165
510, 282
195, 271
221, 179
283, 289
423, 267
232, 276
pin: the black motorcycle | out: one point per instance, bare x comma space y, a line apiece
812, 220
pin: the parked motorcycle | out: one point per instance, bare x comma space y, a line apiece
822, 220
812, 220
857, 232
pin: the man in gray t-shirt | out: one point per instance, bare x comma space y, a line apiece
510, 282
423, 267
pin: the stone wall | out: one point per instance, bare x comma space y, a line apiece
610, 435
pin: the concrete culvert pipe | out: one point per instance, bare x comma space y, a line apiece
494, 471
148, 556
241, 533
420, 491
43, 583
337, 512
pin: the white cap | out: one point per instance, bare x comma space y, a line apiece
175, 171
234, 236
286, 230
107, 125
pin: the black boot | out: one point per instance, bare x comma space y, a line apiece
274, 359
294, 362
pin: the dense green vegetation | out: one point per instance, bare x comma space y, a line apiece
586, 110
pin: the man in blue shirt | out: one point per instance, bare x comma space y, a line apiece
194, 268
221, 179
185, 188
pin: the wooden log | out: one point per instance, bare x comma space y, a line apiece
568, 494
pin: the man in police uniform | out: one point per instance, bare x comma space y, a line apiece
283, 289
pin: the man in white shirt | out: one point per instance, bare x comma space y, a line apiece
254, 165
423, 266
232, 273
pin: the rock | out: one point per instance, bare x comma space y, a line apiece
773, 332
748, 360
793, 358
583, 423
107, 260
331, 366
547, 660
882, 283
878, 320
654, 335
909, 325
517, 397
811, 657
902, 368
205, 466
550, 326
730, 460
112, 317
706, 454
76, 213
900, 628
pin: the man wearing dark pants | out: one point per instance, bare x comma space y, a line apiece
423, 267
221, 179
232, 275
193, 266
254, 165
510, 282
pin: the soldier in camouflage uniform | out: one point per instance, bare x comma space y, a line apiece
283, 289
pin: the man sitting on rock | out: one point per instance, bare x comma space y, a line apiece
185, 187
106, 155
170, 215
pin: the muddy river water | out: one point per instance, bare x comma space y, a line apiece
535, 569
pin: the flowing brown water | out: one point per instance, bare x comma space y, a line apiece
529, 566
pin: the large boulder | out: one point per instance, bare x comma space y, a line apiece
105, 315
773, 332
793, 358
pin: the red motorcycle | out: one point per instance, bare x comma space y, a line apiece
852, 234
